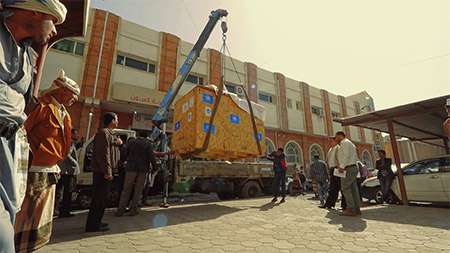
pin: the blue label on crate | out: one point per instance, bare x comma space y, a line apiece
206, 127
207, 98
177, 125
259, 137
234, 119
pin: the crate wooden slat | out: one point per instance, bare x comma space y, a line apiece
232, 136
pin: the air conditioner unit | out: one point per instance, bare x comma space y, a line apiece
240, 92
322, 113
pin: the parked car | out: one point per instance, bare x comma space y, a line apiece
426, 180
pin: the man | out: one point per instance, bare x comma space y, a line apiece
16, 77
302, 179
447, 122
140, 156
335, 182
347, 163
49, 134
279, 167
69, 169
385, 174
320, 175
105, 158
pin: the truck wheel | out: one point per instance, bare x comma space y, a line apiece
225, 195
83, 201
251, 190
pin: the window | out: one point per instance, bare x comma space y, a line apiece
231, 88
289, 103
266, 97
194, 79
70, 46
336, 115
424, 167
367, 159
292, 152
298, 105
136, 64
316, 150
269, 146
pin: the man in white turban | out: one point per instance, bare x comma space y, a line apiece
49, 133
22, 22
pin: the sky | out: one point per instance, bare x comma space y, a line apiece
396, 50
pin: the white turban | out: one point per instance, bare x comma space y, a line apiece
62, 81
51, 7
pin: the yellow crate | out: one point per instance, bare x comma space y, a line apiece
232, 137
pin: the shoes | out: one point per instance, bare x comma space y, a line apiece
140, 205
274, 199
134, 213
103, 224
100, 229
348, 213
66, 215
324, 206
358, 212
282, 200
118, 214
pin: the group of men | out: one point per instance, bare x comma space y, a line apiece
27, 191
341, 172
345, 173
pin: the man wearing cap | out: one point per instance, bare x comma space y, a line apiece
447, 122
49, 134
22, 22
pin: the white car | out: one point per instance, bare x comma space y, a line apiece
426, 180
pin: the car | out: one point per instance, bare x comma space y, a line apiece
426, 180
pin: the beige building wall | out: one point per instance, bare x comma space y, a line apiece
319, 125
267, 85
295, 108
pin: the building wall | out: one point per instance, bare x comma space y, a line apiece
290, 120
412, 151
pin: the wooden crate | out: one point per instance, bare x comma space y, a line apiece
232, 137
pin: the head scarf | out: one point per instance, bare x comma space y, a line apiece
62, 81
51, 7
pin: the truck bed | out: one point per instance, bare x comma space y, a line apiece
219, 169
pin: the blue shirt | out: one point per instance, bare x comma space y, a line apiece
277, 165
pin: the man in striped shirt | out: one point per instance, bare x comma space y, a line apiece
320, 175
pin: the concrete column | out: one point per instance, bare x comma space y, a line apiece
358, 111
283, 103
307, 105
252, 78
344, 114
168, 61
93, 53
215, 72
327, 108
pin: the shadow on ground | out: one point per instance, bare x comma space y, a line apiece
349, 224
427, 216
71, 229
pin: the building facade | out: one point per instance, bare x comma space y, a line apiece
127, 68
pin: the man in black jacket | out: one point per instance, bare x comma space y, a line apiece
385, 174
140, 155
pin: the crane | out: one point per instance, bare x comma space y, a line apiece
161, 115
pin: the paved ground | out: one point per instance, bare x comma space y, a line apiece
256, 225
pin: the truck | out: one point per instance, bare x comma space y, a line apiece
239, 179
242, 179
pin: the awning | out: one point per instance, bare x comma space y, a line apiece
418, 121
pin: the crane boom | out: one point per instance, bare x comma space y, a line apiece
161, 115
